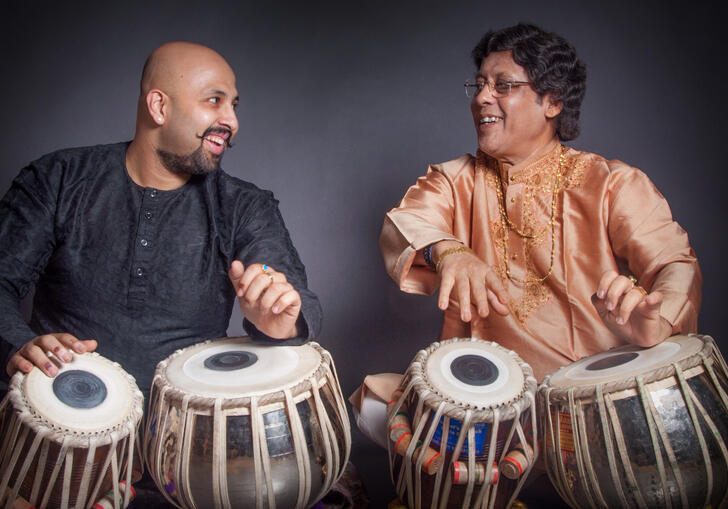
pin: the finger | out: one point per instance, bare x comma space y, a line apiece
69, 341
89, 345
446, 284
496, 287
271, 294
235, 274
18, 363
38, 357
617, 288
464, 297
254, 290
289, 301
56, 343
600, 306
604, 282
252, 272
651, 304
497, 305
630, 300
480, 296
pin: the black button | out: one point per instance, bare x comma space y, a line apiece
144, 242
148, 214
153, 193
139, 272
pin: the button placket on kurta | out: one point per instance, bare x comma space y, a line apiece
142, 249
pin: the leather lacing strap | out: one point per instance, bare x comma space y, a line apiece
433, 407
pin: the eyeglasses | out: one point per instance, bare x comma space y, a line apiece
497, 89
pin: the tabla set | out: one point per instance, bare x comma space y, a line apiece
230, 423
630, 427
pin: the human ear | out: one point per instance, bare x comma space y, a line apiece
553, 108
156, 101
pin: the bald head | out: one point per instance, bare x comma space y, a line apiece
173, 64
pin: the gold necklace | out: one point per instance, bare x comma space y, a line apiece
508, 225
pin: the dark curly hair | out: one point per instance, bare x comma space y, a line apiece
552, 67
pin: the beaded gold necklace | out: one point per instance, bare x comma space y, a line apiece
507, 224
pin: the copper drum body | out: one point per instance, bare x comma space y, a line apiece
463, 407
233, 423
69, 440
636, 427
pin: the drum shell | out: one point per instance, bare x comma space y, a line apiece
515, 420
632, 422
196, 430
39, 455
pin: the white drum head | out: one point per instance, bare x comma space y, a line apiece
625, 362
237, 367
474, 373
89, 394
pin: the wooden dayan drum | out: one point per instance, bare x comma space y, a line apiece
462, 426
68, 440
234, 423
635, 427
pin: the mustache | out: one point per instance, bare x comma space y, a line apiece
219, 131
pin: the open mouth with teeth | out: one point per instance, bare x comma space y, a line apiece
215, 143
489, 120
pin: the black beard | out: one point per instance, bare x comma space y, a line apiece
196, 163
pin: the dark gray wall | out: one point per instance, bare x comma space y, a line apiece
343, 106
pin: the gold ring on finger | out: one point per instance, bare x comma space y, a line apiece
633, 280
640, 289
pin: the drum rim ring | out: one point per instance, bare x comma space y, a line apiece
708, 351
74, 437
505, 409
162, 383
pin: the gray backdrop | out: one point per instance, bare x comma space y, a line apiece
343, 106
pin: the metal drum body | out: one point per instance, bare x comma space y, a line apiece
238, 424
468, 404
68, 440
635, 427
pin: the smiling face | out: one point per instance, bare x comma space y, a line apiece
200, 120
514, 127
189, 97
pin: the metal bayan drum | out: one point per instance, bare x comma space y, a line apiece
636, 427
462, 426
68, 440
233, 423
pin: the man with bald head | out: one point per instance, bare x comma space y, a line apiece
137, 249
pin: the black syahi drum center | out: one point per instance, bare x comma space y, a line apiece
79, 389
230, 361
474, 370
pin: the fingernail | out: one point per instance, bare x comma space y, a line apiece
275, 309
50, 368
600, 294
79, 347
620, 320
610, 306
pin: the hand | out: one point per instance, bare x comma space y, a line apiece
629, 311
267, 299
35, 353
472, 280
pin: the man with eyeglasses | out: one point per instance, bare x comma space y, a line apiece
140, 248
553, 252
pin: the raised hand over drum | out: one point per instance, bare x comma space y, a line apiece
239, 424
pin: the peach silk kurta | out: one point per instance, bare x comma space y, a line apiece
608, 215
